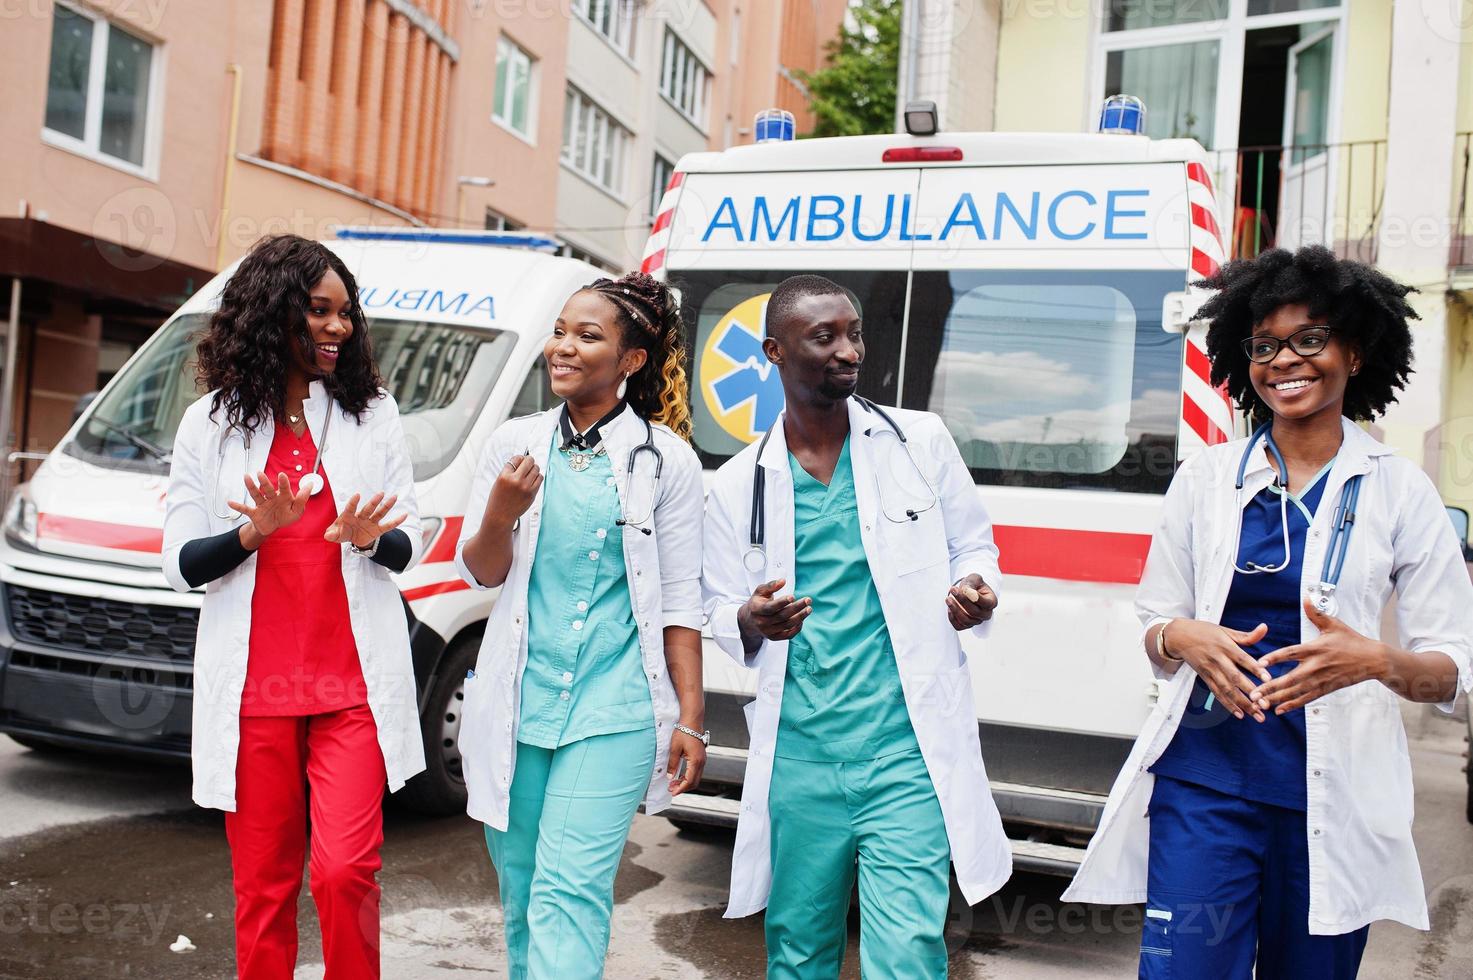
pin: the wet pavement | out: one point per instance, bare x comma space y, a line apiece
104, 863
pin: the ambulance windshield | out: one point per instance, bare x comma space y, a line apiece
439, 374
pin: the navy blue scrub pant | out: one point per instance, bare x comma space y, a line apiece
1228, 888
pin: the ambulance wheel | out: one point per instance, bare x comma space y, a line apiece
440, 789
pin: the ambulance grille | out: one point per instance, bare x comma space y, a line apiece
104, 626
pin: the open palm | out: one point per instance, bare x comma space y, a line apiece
271, 507
364, 525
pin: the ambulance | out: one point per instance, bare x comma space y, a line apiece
1032, 291
97, 651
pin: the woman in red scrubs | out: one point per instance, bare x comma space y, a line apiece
303, 643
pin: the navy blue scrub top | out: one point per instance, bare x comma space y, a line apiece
1253, 761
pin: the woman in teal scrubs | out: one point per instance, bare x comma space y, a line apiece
597, 704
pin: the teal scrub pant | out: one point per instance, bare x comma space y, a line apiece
881, 818
570, 812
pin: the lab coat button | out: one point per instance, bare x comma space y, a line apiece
1316, 772
1317, 831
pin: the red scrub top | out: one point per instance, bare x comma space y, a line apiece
303, 660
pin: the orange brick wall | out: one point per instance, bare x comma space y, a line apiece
356, 93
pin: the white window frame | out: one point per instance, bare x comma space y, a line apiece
685, 80
501, 113
1230, 35
621, 17
604, 140
90, 145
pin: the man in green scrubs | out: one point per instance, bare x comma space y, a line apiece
850, 793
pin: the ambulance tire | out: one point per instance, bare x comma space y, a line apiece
440, 789
38, 744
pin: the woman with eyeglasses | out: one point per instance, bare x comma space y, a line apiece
587, 696
1264, 815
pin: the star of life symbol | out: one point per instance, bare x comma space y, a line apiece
752, 379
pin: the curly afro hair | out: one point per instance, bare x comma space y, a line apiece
1367, 308
244, 354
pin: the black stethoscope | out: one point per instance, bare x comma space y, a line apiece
1343, 523
755, 558
648, 446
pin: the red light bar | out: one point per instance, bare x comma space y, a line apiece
922, 154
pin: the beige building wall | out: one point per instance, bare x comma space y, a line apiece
1043, 64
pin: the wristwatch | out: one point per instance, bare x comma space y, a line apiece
368, 552
705, 737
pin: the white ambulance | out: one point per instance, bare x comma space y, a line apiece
1032, 290
97, 651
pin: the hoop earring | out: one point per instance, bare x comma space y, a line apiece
623, 388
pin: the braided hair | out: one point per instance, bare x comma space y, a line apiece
649, 320
1366, 307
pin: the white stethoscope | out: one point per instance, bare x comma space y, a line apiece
313, 481
1343, 522
755, 558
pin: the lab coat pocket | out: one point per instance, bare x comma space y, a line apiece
913, 545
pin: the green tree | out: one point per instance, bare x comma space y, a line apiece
854, 94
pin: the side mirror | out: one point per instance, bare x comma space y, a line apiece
81, 405
1459, 517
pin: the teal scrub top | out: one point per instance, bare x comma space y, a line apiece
584, 674
842, 700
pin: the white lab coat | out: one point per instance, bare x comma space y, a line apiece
360, 457
1362, 865
913, 564
664, 572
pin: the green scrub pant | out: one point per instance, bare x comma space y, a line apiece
881, 818
570, 812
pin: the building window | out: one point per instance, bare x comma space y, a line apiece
496, 221
684, 80
659, 180
593, 143
513, 97
614, 19
1177, 82
583, 255
98, 87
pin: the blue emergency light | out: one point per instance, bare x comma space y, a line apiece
773, 126
1123, 115
503, 239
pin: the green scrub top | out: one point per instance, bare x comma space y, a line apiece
842, 700
584, 673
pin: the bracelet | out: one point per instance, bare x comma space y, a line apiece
1161, 651
705, 737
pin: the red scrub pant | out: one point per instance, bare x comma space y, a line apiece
337, 755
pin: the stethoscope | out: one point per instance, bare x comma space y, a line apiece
648, 446
755, 558
1343, 522
312, 482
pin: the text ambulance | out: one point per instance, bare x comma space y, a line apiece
1032, 291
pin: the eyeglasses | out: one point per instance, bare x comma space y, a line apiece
1306, 343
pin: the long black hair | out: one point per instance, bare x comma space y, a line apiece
649, 320
245, 353
1366, 307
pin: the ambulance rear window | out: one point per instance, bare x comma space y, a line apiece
1049, 378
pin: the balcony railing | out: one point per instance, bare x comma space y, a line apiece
1288, 196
